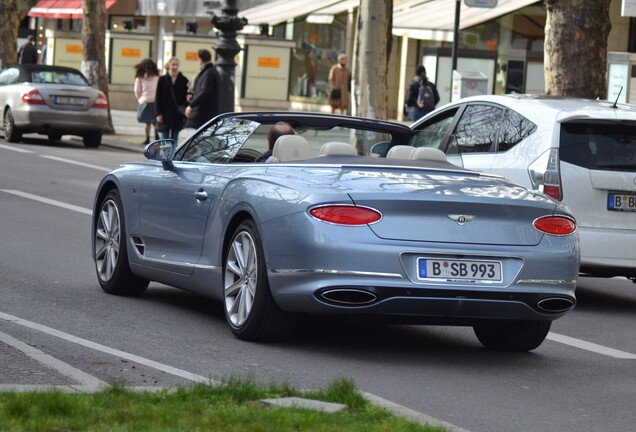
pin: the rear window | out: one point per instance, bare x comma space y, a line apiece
58, 77
608, 147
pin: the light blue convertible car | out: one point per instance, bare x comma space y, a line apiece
325, 226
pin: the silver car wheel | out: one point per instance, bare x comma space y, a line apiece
107, 240
240, 278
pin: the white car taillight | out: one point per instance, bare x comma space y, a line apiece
545, 175
33, 98
101, 101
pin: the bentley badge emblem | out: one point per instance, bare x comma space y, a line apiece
460, 219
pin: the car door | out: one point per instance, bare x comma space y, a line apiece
175, 204
174, 208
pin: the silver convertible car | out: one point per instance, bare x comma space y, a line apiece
324, 227
53, 101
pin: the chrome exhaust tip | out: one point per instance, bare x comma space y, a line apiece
555, 304
348, 297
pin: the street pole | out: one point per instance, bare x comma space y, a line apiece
458, 4
228, 23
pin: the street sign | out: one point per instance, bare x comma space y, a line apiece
481, 3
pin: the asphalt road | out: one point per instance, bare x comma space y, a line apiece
58, 328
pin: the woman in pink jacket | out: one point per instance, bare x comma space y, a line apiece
146, 78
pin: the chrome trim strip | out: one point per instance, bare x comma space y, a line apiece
546, 281
173, 263
337, 273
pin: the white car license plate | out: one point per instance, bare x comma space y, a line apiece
69, 100
467, 270
621, 202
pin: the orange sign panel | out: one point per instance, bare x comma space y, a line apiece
130, 52
190, 55
269, 62
74, 49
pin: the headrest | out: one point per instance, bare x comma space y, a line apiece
290, 148
428, 153
399, 152
335, 148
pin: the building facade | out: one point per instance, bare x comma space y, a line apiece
289, 46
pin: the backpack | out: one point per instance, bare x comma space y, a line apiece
411, 94
426, 98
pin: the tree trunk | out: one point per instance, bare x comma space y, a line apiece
12, 13
576, 33
371, 57
93, 49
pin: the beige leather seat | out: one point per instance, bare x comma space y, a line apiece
289, 148
399, 152
428, 153
335, 148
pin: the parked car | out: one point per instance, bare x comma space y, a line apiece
53, 101
322, 230
581, 152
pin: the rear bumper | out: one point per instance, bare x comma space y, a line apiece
44, 120
608, 252
394, 297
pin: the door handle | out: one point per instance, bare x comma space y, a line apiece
201, 195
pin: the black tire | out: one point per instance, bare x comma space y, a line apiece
11, 133
110, 254
92, 139
250, 309
515, 336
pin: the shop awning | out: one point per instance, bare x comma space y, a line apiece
278, 12
61, 9
419, 17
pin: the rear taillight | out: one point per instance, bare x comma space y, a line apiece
101, 101
555, 225
346, 214
545, 176
33, 98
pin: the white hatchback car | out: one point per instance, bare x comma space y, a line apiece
579, 151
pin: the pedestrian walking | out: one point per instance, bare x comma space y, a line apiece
146, 79
339, 85
171, 101
421, 95
28, 53
205, 102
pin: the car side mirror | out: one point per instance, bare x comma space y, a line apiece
162, 150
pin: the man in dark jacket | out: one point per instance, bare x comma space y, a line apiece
420, 85
205, 102
28, 53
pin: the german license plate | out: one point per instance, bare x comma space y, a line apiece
465, 270
68, 100
621, 202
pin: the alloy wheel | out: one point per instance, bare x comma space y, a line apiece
107, 240
240, 278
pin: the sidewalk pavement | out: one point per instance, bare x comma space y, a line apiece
129, 133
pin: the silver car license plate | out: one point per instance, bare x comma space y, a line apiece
466, 270
621, 202
68, 100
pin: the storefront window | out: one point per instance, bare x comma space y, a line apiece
121, 23
317, 49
